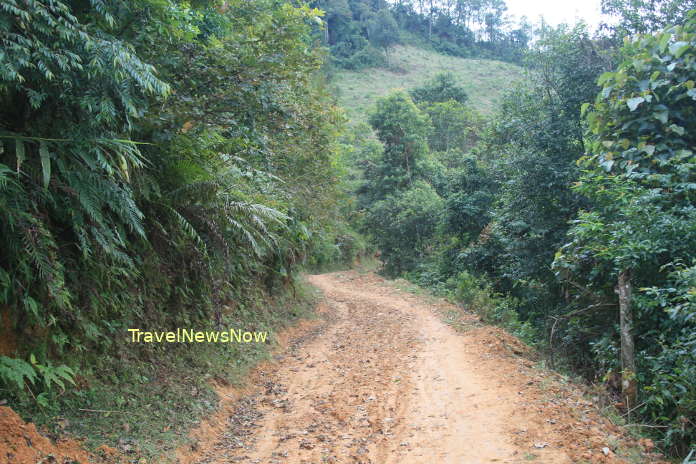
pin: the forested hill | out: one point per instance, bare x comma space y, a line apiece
357, 30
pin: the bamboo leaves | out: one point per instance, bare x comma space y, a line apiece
126, 227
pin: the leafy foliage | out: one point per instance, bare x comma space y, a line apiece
158, 159
17, 375
15, 372
403, 129
640, 16
640, 179
356, 29
641, 117
532, 148
403, 226
540, 215
383, 30
440, 89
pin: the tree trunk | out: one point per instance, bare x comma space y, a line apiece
430, 22
628, 360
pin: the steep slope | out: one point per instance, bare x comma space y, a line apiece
484, 80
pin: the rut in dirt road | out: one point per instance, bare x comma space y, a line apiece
385, 381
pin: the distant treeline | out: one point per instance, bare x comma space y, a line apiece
357, 31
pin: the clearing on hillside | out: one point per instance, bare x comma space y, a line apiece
484, 80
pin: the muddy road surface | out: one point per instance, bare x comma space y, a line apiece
382, 379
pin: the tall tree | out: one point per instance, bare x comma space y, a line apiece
384, 32
403, 129
643, 16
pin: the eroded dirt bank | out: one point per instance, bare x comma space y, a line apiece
382, 380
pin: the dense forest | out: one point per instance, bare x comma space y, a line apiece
169, 163
568, 217
359, 33
162, 164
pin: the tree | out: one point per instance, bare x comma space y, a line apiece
403, 130
646, 16
531, 152
455, 127
441, 88
641, 180
120, 205
403, 224
469, 200
383, 31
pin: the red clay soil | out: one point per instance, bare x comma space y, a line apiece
21, 443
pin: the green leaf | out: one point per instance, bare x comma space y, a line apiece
604, 77
661, 116
16, 371
634, 102
607, 164
677, 129
42, 400
45, 163
678, 48
664, 41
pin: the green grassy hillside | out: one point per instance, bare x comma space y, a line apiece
484, 80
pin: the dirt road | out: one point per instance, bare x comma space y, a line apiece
383, 380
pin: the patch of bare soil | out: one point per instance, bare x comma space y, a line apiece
21, 443
383, 380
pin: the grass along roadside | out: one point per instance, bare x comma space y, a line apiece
142, 401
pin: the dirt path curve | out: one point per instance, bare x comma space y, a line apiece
385, 381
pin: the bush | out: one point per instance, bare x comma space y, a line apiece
368, 57
476, 295
668, 370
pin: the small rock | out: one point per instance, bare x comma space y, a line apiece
306, 444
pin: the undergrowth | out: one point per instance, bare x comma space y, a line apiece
143, 399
